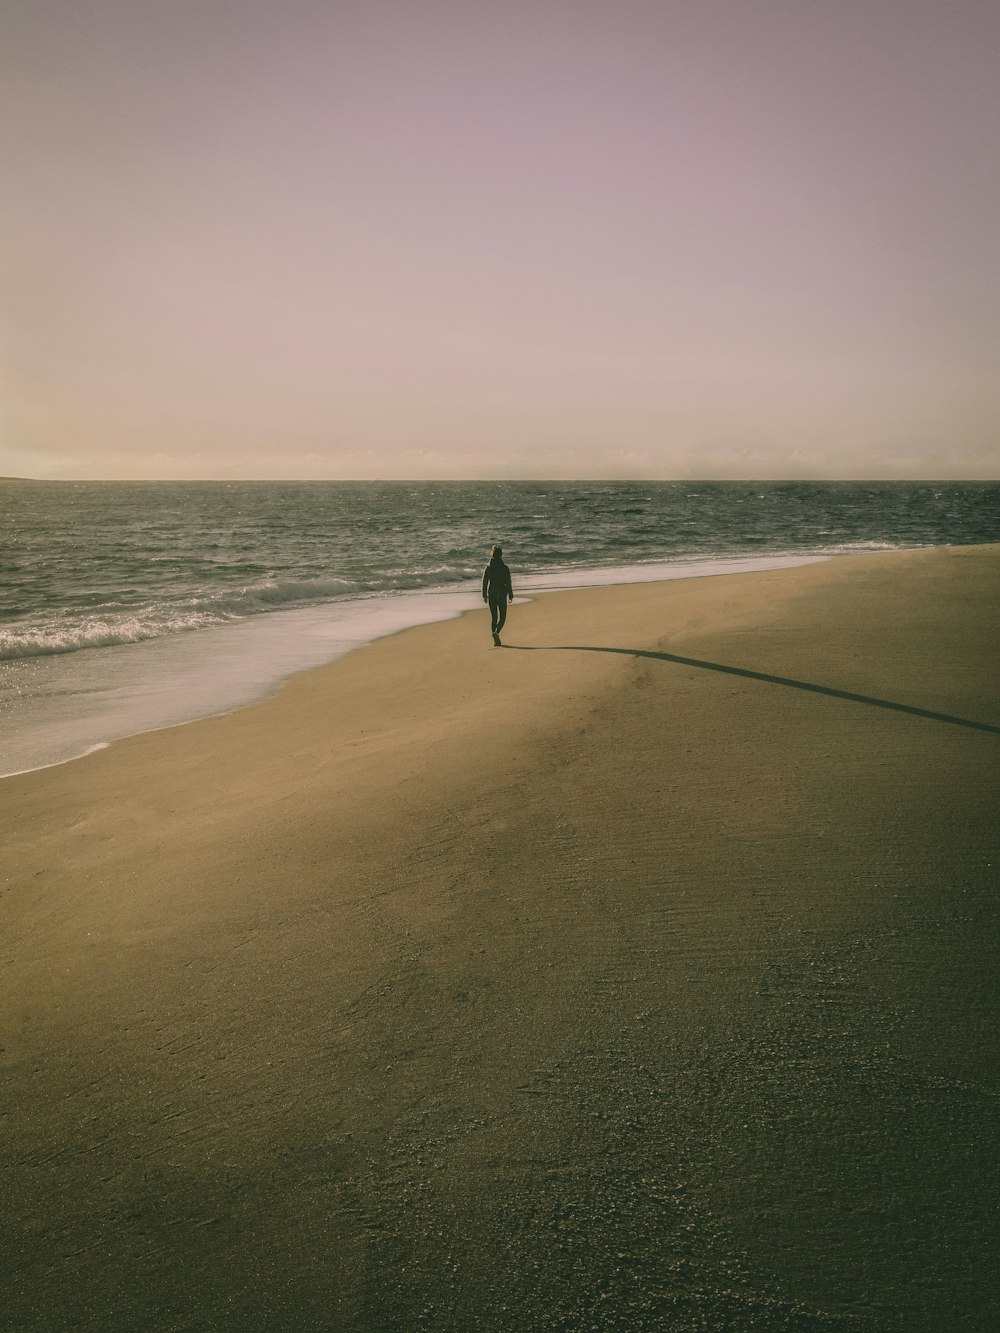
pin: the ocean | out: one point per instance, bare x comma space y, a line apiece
128, 606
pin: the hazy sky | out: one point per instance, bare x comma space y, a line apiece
390, 238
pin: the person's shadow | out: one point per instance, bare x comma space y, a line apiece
762, 676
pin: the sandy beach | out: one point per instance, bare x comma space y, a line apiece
642, 974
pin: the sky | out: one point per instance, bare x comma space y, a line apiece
557, 239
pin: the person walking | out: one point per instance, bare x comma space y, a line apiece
497, 591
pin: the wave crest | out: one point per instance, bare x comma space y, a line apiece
106, 629
97, 632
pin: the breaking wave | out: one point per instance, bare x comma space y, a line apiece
107, 627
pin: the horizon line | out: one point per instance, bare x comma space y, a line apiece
533, 481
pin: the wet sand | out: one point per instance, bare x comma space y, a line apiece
642, 974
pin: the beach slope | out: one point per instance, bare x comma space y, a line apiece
640, 974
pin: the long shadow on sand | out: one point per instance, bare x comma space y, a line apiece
762, 675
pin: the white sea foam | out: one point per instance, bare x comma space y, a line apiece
71, 633
98, 632
59, 707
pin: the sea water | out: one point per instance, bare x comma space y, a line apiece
126, 606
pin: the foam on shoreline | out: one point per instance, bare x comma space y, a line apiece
60, 707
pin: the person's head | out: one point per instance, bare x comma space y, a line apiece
496, 552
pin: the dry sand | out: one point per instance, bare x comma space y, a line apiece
642, 974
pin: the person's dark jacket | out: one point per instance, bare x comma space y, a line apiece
496, 582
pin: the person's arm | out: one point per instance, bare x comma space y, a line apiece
486, 579
510, 586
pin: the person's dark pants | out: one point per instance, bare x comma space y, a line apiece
498, 611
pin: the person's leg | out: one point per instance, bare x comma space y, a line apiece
495, 621
501, 615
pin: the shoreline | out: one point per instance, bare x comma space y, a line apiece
126, 690
642, 973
